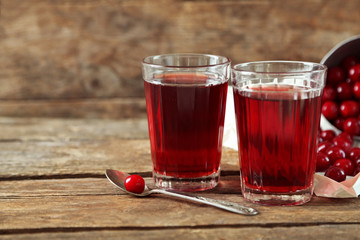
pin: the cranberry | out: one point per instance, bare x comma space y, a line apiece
356, 90
343, 143
357, 170
354, 73
324, 146
354, 154
336, 75
346, 165
349, 108
339, 123
327, 135
330, 110
351, 82
336, 174
347, 136
357, 162
135, 184
329, 94
349, 61
334, 153
352, 126
344, 91
322, 162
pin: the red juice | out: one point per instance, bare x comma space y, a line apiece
186, 121
277, 140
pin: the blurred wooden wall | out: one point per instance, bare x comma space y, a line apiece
82, 58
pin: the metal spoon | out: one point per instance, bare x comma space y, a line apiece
118, 179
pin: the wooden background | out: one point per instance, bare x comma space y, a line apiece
82, 58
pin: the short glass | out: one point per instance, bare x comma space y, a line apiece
185, 100
277, 108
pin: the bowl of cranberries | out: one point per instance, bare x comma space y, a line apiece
340, 107
339, 136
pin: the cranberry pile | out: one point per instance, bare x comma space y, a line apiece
337, 156
341, 98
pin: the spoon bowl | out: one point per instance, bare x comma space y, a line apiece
118, 179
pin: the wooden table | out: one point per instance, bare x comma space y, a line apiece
52, 185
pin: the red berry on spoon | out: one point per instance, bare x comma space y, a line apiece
135, 184
336, 174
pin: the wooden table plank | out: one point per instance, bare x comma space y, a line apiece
77, 157
161, 212
87, 49
89, 186
81, 157
114, 108
346, 231
95, 203
52, 129
52, 147
52, 185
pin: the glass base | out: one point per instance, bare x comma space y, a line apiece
278, 199
186, 184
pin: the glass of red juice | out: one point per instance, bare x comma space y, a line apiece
277, 109
185, 101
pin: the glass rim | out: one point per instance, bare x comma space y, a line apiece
145, 62
297, 90
321, 67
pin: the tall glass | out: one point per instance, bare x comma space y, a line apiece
277, 107
185, 100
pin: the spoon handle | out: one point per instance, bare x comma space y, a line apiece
229, 206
